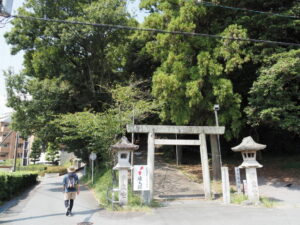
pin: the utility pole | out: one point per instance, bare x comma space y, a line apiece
16, 153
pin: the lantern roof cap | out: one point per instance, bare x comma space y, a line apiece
124, 144
248, 144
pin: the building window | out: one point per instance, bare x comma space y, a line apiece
3, 154
4, 134
20, 145
5, 145
19, 155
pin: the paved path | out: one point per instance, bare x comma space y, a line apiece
44, 206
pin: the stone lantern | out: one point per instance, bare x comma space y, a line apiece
123, 149
248, 148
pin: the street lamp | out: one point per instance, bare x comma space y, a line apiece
216, 109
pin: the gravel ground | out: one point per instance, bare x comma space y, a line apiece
283, 194
170, 183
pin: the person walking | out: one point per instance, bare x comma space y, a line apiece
70, 188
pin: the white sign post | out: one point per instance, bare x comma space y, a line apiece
238, 179
93, 157
225, 185
140, 178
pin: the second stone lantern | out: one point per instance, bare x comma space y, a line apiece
248, 148
123, 149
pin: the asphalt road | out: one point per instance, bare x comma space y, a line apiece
43, 205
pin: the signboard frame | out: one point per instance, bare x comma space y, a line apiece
141, 179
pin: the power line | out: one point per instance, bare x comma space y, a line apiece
122, 27
248, 10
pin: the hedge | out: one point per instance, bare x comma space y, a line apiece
55, 169
37, 167
42, 169
13, 183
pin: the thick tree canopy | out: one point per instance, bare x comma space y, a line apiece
274, 98
68, 69
195, 72
66, 66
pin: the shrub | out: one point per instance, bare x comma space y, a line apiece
36, 167
103, 179
13, 183
55, 169
238, 198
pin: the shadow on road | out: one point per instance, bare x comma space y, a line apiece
91, 212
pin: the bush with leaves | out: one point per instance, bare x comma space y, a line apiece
13, 183
275, 96
86, 132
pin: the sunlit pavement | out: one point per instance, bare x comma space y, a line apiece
43, 205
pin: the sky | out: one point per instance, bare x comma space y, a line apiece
14, 62
7, 60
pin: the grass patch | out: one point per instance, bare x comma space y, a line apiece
37, 167
10, 162
267, 202
42, 169
103, 182
238, 198
55, 169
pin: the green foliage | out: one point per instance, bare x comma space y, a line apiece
103, 181
194, 75
52, 153
13, 183
36, 150
65, 66
54, 169
267, 202
68, 69
274, 98
42, 169
238, 198
36, 168
10, 162
86, 132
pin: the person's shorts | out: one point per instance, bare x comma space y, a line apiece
70, 195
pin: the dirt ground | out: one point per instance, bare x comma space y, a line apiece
279, 179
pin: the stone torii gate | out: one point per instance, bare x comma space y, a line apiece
202, 131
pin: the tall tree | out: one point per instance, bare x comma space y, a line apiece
275, 97
65, 66
52, 153
194, 71
86, 132
36, 150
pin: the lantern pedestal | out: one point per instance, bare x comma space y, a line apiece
123, 187
252, 185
